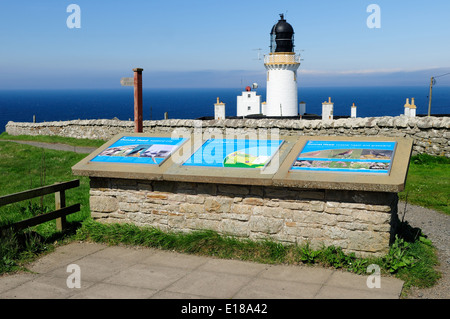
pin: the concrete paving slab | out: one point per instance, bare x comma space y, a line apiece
145, 276
303, 274
134, 273
277, 289
9, 282
95, 269
46, 287
130, 254
172, 259
63, 256
356, 286
112, 291
347, 280
333, 292
175, 295
235, 267
210, 284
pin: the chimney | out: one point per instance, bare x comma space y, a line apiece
407, 105
353, 111
219, 110
327, 110
412, 109
302, 108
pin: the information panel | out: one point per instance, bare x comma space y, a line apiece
346, 156
140, 150
375, 163
234, 153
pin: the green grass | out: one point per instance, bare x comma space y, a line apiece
53, 139
411, 258
428, 182
24, 167
421, 273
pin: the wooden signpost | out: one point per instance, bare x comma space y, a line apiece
136, 81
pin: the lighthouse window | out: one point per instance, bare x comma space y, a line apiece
249, 95
249, 108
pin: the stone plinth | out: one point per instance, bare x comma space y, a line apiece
353, 209
357, 221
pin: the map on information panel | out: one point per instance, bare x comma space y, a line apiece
234, 153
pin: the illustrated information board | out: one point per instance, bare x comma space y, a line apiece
140, 150
234, 153
345, 156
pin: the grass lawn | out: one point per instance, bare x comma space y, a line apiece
428, 183
24, 167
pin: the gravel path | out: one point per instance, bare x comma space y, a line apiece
57, 146
436, 226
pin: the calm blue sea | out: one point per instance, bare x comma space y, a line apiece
55, 105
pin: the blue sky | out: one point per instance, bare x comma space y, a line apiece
213, 43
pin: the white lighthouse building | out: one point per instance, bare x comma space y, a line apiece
281, 65
249, 103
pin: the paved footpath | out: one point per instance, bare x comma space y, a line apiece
119, 272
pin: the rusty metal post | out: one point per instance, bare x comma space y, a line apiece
138, 100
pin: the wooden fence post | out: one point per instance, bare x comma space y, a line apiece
60, 202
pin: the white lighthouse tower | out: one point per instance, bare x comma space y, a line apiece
281, 65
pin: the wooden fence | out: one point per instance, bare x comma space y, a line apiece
60, 212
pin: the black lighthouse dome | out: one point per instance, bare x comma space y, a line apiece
282, 37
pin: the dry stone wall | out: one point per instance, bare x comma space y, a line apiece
430, 134
360, 222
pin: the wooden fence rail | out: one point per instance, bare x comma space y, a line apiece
60, 212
